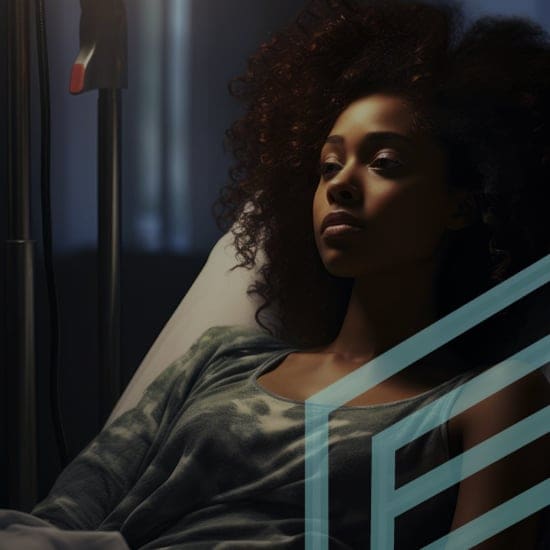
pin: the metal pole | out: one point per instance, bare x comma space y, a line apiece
109, 238
101, 65
20, 393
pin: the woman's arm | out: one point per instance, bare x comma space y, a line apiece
100, 476
511, 475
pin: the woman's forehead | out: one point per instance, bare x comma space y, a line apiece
385, 115
376, 113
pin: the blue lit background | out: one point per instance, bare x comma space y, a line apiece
182, 54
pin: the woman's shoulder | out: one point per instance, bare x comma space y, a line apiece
506, 434
506, 405
491, 405
233, 350
239, 339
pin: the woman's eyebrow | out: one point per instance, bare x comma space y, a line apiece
374, 137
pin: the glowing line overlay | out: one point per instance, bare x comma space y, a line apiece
319, 406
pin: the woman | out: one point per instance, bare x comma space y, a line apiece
397, 166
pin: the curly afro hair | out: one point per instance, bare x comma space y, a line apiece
481, 89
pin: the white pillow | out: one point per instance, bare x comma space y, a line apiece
217, 297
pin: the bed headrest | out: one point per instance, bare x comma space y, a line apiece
217, 297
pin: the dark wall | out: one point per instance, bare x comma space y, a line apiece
225, 34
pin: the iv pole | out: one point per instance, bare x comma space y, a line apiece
20, 320
102, 64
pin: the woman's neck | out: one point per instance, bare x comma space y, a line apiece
384, 309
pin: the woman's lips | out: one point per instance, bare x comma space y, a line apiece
340, 217
340, 230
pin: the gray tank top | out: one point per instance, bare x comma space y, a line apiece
350, 437
210, 459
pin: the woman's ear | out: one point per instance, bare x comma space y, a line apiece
464, 210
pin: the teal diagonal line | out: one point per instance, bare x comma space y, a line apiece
468, 394
471, 461
398, 358
496, 520
386, 443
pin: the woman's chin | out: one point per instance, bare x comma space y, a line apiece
338, 267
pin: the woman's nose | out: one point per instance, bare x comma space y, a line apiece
344, 190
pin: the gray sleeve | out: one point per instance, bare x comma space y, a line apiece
93, 484
22, 530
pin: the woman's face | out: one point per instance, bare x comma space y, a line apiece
374, 167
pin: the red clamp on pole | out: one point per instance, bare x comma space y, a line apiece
102, 60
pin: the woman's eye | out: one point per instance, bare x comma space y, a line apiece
385, 163
328, 168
